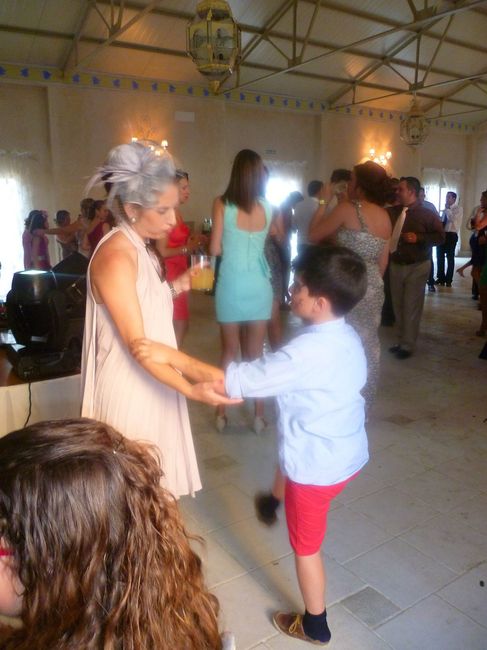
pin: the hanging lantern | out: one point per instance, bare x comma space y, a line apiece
213, 41
414, 127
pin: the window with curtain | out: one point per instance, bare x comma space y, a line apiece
15, 202
437, 182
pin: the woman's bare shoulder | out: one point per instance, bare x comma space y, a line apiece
116, 251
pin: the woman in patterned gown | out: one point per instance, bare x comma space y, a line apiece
362, 225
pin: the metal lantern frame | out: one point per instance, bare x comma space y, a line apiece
213, 41
414, 127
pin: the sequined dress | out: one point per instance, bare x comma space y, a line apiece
365, 317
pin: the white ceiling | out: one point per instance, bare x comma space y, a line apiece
371, 52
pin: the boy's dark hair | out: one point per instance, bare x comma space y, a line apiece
412, 182
339, 175
314, 187
333, 272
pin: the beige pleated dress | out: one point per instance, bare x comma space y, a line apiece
118, 391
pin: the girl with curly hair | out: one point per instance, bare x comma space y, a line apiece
94, 554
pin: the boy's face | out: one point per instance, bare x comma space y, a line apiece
302, 304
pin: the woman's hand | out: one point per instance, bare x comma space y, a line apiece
183, 282
143, 349
211, 392
327, 192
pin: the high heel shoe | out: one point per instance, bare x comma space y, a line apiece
259, 424
221, 423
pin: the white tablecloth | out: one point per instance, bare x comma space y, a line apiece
52, 399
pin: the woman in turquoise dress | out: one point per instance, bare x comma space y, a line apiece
241, 221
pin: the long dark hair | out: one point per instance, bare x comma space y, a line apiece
98, 544
37, 221
374, 182
247, 180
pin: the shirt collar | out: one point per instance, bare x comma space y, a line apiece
336, 323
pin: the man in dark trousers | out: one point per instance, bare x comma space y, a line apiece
414, 235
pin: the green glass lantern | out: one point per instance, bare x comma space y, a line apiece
213, 41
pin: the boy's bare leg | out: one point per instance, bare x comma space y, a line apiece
279, 485
312, 581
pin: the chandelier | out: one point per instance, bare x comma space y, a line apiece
414, 127
213, 41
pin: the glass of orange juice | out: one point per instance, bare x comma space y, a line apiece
202, 272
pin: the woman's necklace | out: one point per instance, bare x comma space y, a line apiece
157, 261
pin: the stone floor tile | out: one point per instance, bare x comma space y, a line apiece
447, 539
433, 624
393, 510
350, 534
438, 490
469, 594
400, 572
370, 607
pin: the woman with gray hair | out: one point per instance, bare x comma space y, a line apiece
128, 299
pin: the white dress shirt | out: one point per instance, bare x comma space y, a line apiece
303, 213
317, 379
454, 217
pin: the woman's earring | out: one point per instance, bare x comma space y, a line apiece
133, 219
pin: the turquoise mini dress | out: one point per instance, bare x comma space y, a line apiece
243, 289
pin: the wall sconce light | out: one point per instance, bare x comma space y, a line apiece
380, 158
158, 149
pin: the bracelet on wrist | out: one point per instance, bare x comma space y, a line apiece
322, 202
184, 250
172, 289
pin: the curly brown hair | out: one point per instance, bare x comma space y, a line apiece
99, 545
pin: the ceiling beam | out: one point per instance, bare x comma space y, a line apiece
73, 48
324, 4
114, 35
249, 65
373, 67
438, 100
465, 6
264, 33
312, 42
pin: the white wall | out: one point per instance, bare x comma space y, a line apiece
69, 131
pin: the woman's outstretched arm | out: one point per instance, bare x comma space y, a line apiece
113, 278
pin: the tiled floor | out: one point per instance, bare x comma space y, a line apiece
406, 551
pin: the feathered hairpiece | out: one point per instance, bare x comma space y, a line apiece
134, 172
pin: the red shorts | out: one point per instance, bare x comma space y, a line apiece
306, 511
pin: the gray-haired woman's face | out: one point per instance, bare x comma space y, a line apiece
154, 222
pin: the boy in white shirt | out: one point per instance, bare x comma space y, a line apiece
316, 378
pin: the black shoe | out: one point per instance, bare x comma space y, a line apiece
403, 354
266, 506
395, 349
431, 288
448, 284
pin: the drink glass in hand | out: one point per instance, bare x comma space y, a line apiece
202, 272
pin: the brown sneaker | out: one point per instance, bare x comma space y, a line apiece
292, 625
